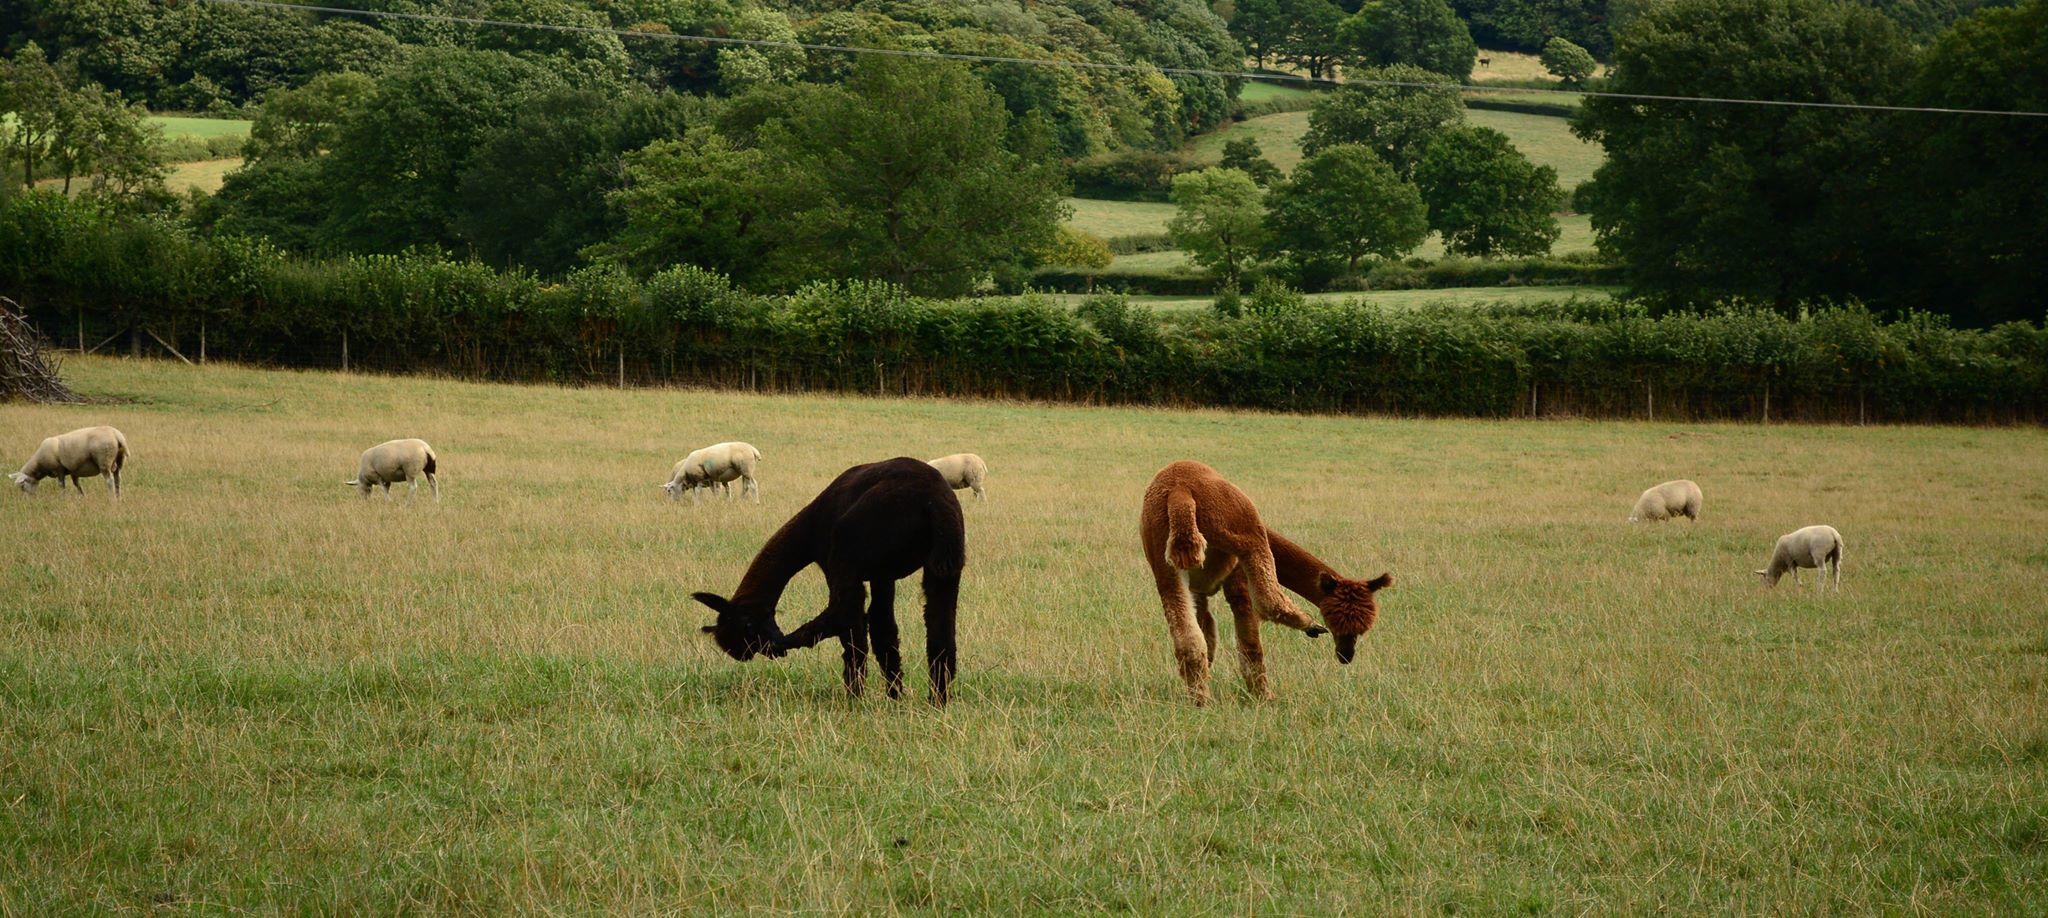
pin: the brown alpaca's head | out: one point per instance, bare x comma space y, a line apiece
1349, 608
739, 632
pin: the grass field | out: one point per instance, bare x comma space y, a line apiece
242, 689
1575, 234
1515, 66
205, 175
1546, 140
1398, 299
1110, 219
176, 126
1263, 91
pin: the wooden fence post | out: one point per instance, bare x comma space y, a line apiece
344, 350
622, 364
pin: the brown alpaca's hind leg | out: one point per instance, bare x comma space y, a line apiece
1263, 583
1251, 655
1188, 647
1208, 624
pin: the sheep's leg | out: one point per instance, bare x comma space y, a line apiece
882, 634
1251, 653
387, 492
752, 489
413, 488
1188, 648
979, 494
75, 482
434, 484
941, 649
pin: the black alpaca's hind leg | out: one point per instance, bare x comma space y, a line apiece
844, 607
882, 633
941, 605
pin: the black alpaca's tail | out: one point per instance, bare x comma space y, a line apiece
948, 555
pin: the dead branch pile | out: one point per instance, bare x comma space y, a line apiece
26, 368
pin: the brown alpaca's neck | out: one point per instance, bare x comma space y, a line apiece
1298, 570
785, 555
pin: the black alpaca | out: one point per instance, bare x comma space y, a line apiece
875, 524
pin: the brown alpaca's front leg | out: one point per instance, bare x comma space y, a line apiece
1251, 654
1188, 646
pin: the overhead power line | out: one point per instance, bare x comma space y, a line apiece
1092, 65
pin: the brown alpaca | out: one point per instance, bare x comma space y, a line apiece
1201, 535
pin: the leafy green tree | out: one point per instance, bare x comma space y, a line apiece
285, 200
1424, 33
743, 67
35, 99
1486, 198
1987, 238
1219, 219
1314, 43
908, 174
1244, 155
1524, 25
694, 201
1346, 203
1078, 249
397, 163
1395, 122
1774, 204
1567, 61
1262, 26
306, 122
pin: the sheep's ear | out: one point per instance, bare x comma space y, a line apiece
1326, 583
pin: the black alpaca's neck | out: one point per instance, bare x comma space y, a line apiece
786, 554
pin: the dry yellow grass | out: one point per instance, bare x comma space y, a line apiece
244, 689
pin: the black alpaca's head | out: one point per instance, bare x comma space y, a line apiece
741, 634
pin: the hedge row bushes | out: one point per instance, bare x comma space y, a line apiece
422, 312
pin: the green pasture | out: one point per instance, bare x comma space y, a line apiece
1395, 299
179, 125
243, 690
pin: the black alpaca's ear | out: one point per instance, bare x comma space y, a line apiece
1326, 583
1379, 583
716, 602
709, 629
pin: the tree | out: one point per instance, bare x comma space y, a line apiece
911, 173
1243, 154
1313, 43
1218, 220
35, 97
1424, 33
1396, 122
694, 201
1486, 198
1775, 204
1567, 61
1987, 240
1262, 26
1346, 203
306, 122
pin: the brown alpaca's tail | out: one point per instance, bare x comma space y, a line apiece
1184, 543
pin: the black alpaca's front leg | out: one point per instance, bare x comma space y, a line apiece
941, 605
845, 609
882, 633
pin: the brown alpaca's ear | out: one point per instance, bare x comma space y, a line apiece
1326, 583
1379, 583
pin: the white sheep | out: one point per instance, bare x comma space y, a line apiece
1667, 500
391, 462
82, 453
713, 466
1813, 546
963, 470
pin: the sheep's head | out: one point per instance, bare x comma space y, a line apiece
22, 481
1350, 607
741, 633
674, 490
1766, 579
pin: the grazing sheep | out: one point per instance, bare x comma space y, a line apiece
398, 460
715, 465
82, 453
1813, 546
963, 470
1672, 498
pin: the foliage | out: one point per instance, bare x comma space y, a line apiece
1130, 175
1770, 203
1219, 219
1346, 203
1424, 33
1243, 154
1262, 26
1077, 249
57, 124
1567, 61
696, 201
419, 312
1396, 121
1527, 25
306, 121
1485, 197
1315, 42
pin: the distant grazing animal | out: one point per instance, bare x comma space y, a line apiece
82, 453
1667, 500
716, 465
1486, 62
394, 461
1201, 534
963, 470
1814, 546
874, 524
